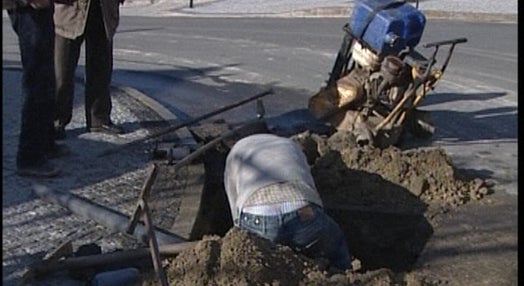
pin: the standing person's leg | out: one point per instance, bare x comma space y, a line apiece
67, 53
35, 30
99, 68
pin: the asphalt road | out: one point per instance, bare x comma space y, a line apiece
196, 65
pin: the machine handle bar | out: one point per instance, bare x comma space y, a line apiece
448, 42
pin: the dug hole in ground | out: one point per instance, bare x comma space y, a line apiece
387, 202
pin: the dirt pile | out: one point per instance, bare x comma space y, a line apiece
241, 258
428, 174
381, 198
384, 199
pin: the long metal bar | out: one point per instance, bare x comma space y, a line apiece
109, 218
189, 158
144, 195
153, 244
446, 42
142, 208
183, 124
450, 52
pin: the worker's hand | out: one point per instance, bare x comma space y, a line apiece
39, 4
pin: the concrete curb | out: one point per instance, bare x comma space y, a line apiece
183, 133
147, 101
342, 12
472, 16
190, 201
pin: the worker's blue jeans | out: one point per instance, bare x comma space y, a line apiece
314, 233
36, 34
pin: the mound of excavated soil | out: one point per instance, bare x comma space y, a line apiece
242, 258
383, 198
379, 197
428, 174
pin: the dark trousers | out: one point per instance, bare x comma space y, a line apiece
98, 70
35, 30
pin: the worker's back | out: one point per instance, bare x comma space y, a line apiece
260, 160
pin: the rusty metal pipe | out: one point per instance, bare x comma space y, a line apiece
107, 217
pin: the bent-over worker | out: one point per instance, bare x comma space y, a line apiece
271, 193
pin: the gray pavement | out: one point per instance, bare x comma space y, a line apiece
31, 226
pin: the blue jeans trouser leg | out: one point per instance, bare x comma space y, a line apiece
35, 31
316, 236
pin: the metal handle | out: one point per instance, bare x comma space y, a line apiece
447, 42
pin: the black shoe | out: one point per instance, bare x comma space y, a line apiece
107, 129
58, 150
60, 133
45, 169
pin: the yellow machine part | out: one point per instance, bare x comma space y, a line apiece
329, 100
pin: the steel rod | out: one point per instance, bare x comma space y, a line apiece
109, 218
183, 124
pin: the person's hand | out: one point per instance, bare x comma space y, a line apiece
39, 4
121, 2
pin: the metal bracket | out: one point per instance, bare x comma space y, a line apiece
142, 208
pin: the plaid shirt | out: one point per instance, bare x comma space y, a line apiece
277, 193
277, 199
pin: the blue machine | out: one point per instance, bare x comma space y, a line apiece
387, 26
379, 77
